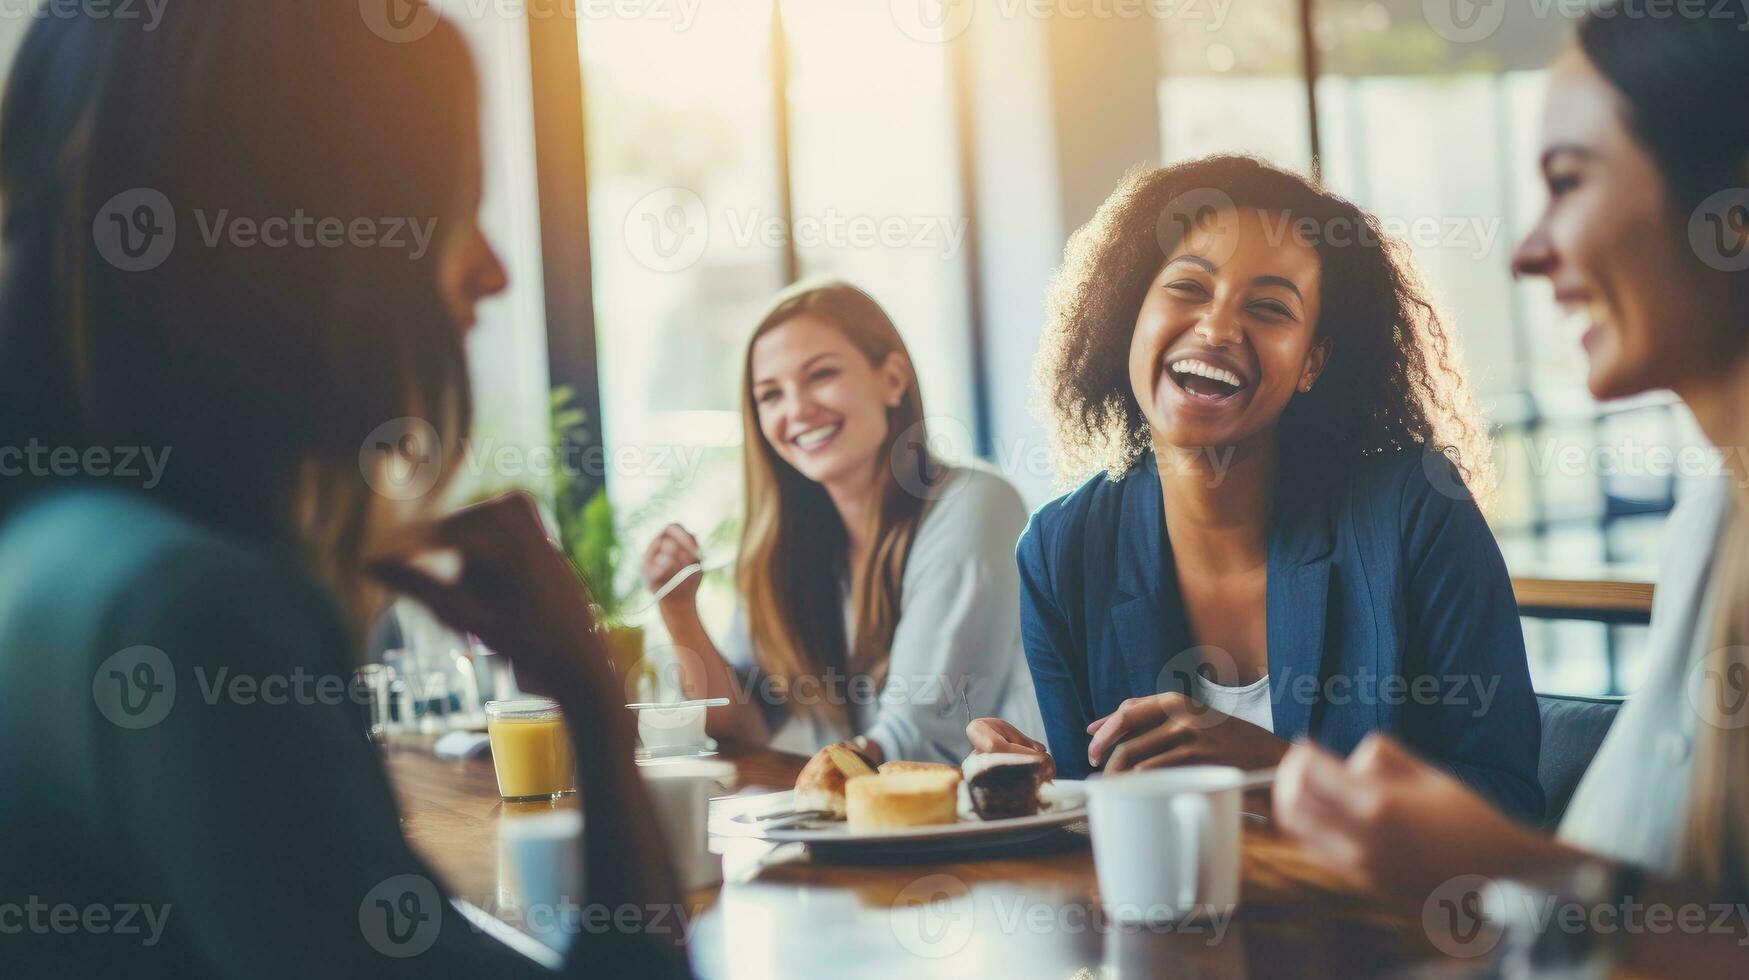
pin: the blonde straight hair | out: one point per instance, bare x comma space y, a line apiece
1715, 849
794, 549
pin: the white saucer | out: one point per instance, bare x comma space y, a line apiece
702, 751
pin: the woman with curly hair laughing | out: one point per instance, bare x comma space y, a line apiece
1284, 541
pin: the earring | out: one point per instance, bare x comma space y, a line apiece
1306, 385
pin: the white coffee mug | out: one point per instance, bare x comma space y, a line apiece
672, 727
543, 855
681, 790
1166, 842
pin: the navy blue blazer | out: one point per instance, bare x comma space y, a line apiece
1389, 609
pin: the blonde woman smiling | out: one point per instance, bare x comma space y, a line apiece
879, 597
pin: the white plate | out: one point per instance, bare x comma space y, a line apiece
1060, 802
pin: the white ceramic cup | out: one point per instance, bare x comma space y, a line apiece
543, 857
1166, 842
681, 790
670, 728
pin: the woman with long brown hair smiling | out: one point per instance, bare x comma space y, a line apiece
877, 585
1645, 241
1283, 541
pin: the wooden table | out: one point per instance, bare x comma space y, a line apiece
1034, 914
1601, 593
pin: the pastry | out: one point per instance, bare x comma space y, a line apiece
821, 783
902, 799
1003, 784
905, 766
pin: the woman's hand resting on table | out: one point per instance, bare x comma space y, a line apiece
514, 590
1173, 730
1393, 823
996, 735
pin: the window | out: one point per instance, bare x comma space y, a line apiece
1235, 85
875, 182
677, 158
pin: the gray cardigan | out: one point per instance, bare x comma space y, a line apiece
959, 628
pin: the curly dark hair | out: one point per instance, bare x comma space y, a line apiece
1392, 383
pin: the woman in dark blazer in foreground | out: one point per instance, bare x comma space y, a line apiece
1285, 541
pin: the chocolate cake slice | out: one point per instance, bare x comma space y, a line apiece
1003, 784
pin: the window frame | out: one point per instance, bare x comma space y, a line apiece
561, 134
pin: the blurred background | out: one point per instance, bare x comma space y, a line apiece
658, 168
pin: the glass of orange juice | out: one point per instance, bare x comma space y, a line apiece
531, 748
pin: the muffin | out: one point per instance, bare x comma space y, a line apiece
905, 766
1003, 784
902, 799
821, 783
